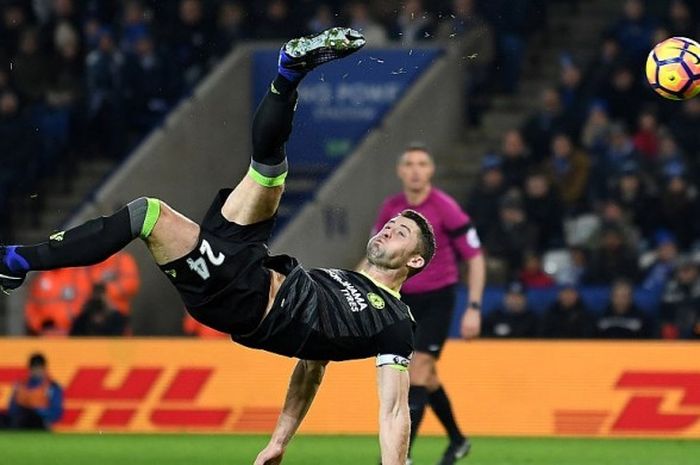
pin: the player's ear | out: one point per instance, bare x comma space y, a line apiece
416, 262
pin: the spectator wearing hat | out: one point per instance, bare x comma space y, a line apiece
513, 319
508, 239
516, 159
612, 258
657, 274
544, 210
596, 129
680, 304
632, 195
646, 139
677, 209
568, 168
568, 317
622, 319
532, 275
485, 197
37, 401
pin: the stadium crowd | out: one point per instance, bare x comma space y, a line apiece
88, 78
598, 186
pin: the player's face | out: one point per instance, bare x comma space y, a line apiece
415, 169
395, 245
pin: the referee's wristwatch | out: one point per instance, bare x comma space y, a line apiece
474, 305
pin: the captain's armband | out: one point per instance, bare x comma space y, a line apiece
398, 362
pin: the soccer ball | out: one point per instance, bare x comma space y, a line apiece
673, 68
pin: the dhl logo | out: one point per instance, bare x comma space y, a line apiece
175, 405
646, 409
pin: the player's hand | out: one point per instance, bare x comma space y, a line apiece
471, 324
270, 455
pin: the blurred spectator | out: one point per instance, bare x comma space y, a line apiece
684, 127
513, 319
134, 26
657, 274
55, 298
469, 36
680, 305
632, 196
646, 139
508, 239
532, 275
541, 127
677, 210
485, 197
568, 317
671, 160
512, 20
361, 19
619, 153
18, 144
321, 20
622, 319
544, 210
634, 30
413, 23
98, 318
596, 129
62, 11
190, 41
14, 22
516, 159
611, 258
231, 28
149, 86
194, 328
276, 23
601, 68
572, 92
36, 402
680, 21
31, 68
623, 96
104, 93
568, 169
120, 276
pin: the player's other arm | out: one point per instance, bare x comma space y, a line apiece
304, 383
394, 420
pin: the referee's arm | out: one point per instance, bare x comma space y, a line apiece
306, 379
394, 420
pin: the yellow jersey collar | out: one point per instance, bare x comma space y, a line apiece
381, 286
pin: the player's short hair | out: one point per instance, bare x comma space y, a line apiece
416, 146
426, 241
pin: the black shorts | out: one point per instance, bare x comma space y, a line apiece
433, 313
225, 281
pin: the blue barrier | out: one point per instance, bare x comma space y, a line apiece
343, 101
539, 300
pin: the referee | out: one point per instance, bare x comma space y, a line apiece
431, 294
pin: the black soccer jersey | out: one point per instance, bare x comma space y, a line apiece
332, 314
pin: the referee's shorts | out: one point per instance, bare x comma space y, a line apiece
433, 313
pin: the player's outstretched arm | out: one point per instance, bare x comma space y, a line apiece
306, 379
394, 420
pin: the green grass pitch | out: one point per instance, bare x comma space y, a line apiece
192, 449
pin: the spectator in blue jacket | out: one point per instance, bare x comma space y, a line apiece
37, 401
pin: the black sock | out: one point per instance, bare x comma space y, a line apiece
91, 242
417, 399
442, 407
272, 124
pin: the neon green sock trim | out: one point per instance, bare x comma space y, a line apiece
398, 367
267, 181
152, 215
